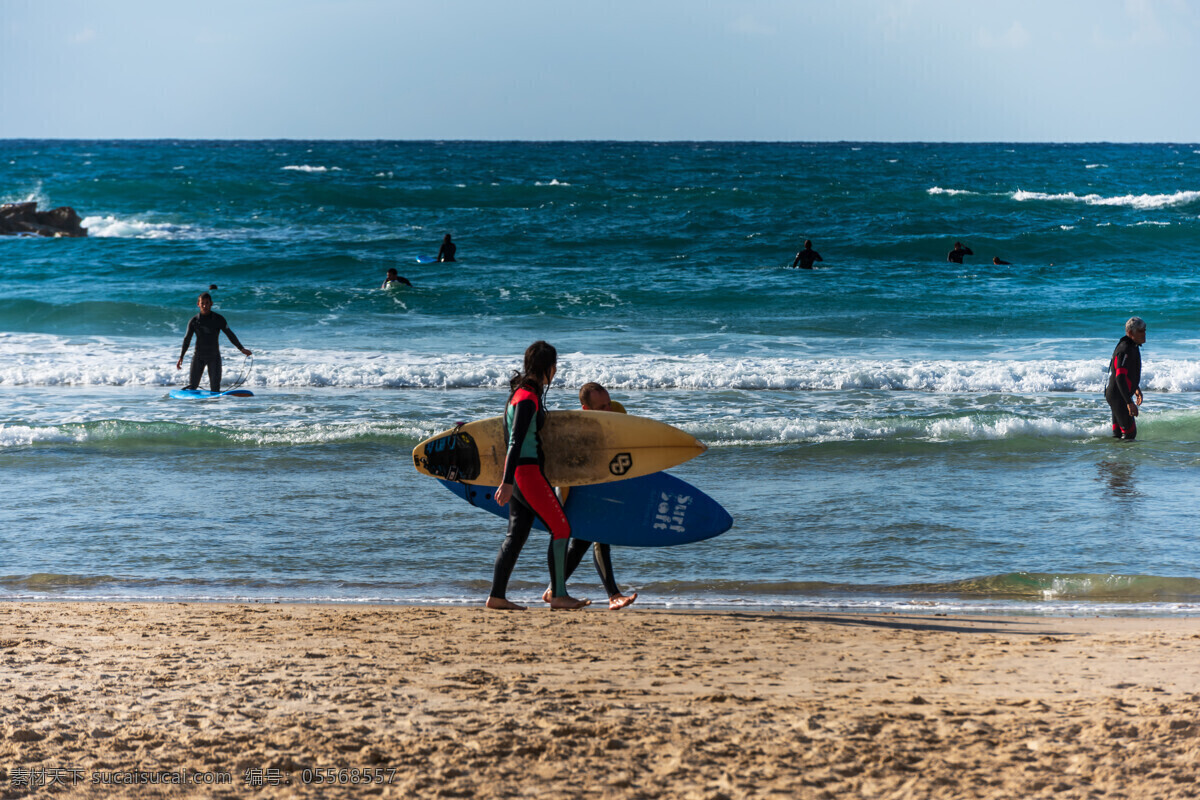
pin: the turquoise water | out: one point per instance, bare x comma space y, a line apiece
889, 431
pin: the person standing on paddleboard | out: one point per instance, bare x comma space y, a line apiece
1124, 393
525, 489
206, 327
594, 397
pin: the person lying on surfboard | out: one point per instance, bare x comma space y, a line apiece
206, 327
594, 397
525, 489
394, 277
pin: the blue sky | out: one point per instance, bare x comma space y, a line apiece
881, 70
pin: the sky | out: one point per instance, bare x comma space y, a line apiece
753, 70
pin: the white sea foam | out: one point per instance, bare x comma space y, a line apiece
1095, 166
1141, 201
311, 168
113, 227
554, 182
940, 190
34, 195
44, 360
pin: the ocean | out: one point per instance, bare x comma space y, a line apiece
890, 431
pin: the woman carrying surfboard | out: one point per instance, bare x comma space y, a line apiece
525, 489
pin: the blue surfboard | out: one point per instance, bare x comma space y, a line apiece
426, 260
656, 510
204, 394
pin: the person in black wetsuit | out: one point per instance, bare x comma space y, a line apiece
1124, 393
956, 255
806, 257
1000, 262
594, 397
395, 277
447, 250
206, 327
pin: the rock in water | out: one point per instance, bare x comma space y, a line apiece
24, 218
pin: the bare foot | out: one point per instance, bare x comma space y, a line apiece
546, 595
620, 601
566, 601
503, 604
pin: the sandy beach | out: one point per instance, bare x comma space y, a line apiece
272, 700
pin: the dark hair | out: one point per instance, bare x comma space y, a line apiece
204, 296
540, 358
587, 390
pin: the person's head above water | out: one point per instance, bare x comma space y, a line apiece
204, 302
594, 397
808, 244
1135, 329
392, 272
541, 364
446, 238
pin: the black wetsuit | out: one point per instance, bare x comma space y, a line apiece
446, 251
805, 258
956, 255
207, 330
1124, 379
601, 556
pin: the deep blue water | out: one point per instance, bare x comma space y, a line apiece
889, 430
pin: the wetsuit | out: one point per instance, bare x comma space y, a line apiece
532, 494
601, 553
956, 255
446, 251
1125, 377
207, 330
601, 556
805, 258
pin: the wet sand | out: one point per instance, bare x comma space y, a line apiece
440, 702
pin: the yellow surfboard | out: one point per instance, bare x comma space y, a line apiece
582, 448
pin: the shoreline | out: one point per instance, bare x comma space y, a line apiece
639, 703
984, 609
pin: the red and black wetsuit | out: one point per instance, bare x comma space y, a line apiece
1124, 381
532, 494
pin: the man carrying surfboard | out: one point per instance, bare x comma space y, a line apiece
594, 397
524, 488
206, 327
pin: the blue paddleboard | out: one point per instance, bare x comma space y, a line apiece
426, 260
652, 511
204, 394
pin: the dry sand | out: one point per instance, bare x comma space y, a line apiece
440, 702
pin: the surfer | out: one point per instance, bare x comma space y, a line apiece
393, 277
447, 250
594, 397
956, 255
207, 327
1123, 392
1000, 262
525, 489
806, 257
